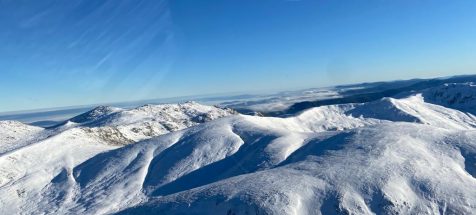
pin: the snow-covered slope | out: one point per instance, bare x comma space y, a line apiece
31, 157
15, 134
397, 168
391, 156
461, 96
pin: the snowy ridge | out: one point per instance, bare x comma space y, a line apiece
127, 126
391, 156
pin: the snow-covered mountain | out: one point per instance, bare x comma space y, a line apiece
119, 126
407, 155
31, 157
461, 96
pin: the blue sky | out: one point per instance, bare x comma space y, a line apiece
72, 52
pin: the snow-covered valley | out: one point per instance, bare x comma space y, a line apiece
411, 154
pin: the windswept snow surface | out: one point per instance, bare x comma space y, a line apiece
411, 155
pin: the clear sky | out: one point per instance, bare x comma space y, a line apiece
73, 52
